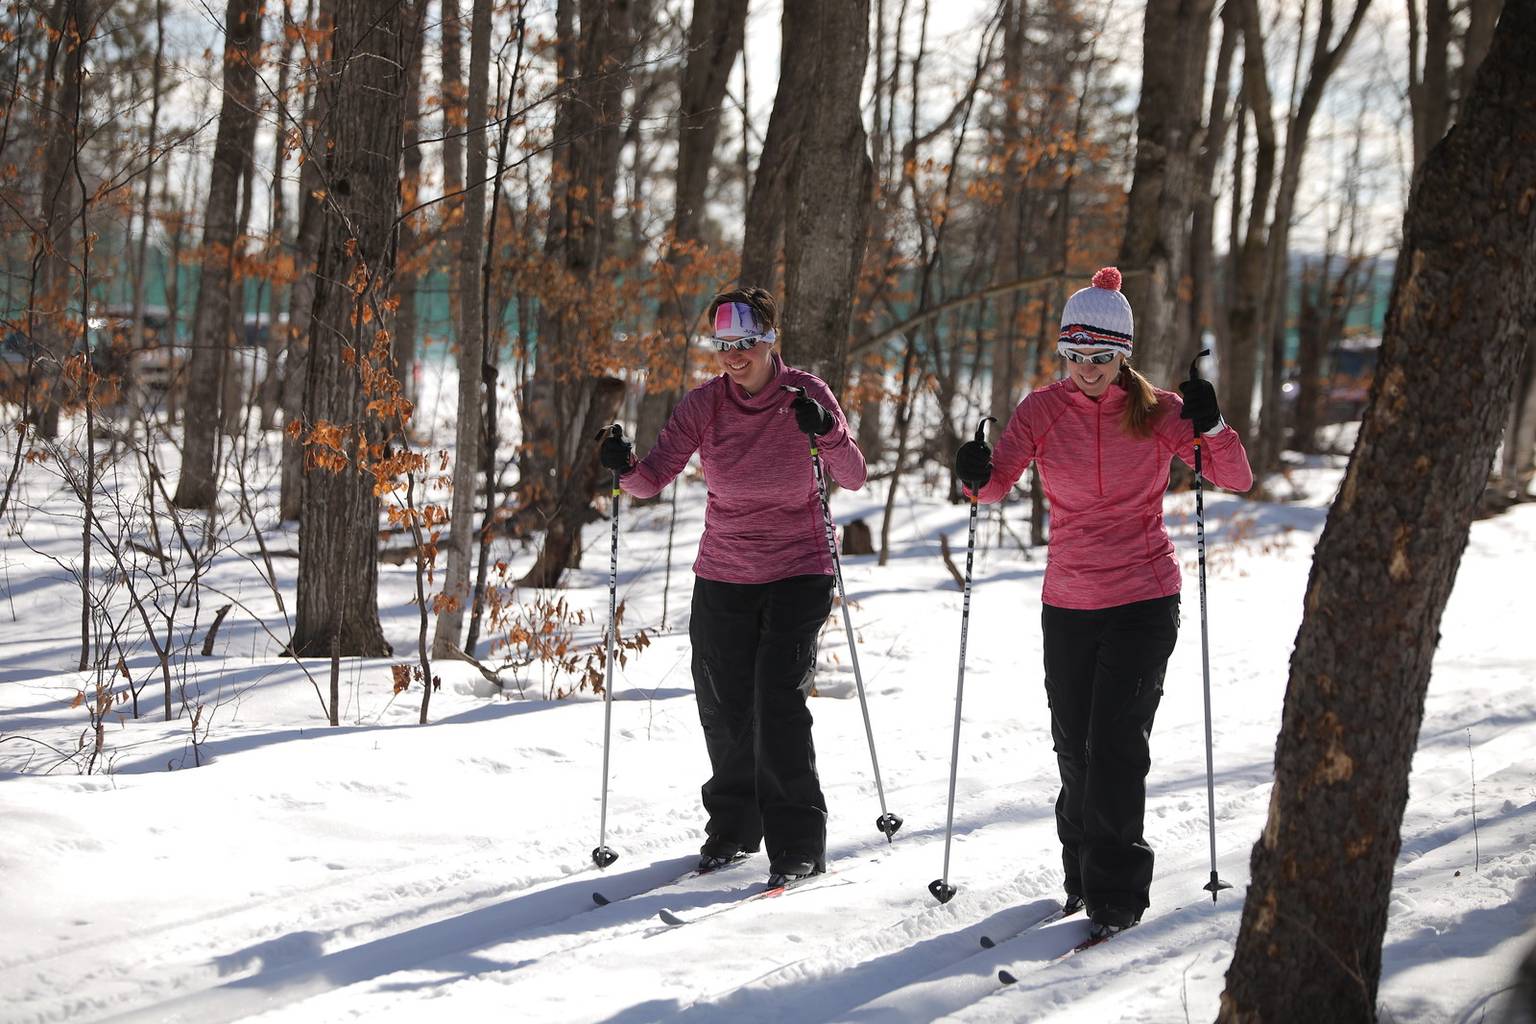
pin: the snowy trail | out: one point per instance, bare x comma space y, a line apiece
382, 871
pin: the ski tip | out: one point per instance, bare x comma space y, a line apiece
1006, 978
600, 899
670, 918
986, 942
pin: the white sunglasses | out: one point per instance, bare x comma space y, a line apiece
1083, 358
734, 344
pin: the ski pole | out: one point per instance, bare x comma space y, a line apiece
887, 823
940, 887
1215, 885
602, 856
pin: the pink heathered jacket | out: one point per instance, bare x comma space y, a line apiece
763, 520
1108, 543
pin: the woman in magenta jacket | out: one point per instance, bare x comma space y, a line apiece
762, 580
1103, 438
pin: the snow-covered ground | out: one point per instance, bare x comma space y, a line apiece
383, 870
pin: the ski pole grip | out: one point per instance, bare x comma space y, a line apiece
1194, 364
791, 387
981, 428
616, 430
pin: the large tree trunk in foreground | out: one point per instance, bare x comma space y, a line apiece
1463, 298
338, 533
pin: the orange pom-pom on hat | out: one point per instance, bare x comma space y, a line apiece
1098, 316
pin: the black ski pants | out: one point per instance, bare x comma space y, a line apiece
754, 659
1104, 679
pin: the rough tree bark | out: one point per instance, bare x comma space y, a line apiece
714, 42
1246, 294
306, 251
410, 260
1009, 350
1168, 122
568, 393
69, 30
467, 441
213, 319
338, 533
1463, 299
1202, 245
277, 225
829, 191
763, 233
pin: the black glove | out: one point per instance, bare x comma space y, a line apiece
1200, 404
811, 416
973, 464
617, 453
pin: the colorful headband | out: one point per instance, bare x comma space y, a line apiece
734, 320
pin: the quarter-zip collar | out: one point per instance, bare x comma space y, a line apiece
768, 395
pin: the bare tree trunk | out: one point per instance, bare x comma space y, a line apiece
1168, 122
213, 321
1326, 56
1316, 910
766, 209
1008, 349
1246, 297
1202, 245
157, 75
277, 338
52, 255
411, 257
714, 42
338, 534
566, 392
1429, 91
1519, 462
829, 190
467, 441
301, 297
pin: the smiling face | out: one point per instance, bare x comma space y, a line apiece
1093, 379
752, 368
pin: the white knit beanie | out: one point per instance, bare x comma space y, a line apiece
1098, 316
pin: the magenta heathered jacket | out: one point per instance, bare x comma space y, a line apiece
763, 519
1108, 544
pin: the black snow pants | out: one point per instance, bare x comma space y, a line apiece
1104, 678
754, 659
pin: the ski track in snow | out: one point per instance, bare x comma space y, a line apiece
381, 871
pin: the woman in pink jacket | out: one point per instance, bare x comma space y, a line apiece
1103, 438
762, 581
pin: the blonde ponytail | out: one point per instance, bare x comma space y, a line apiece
1141, 402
